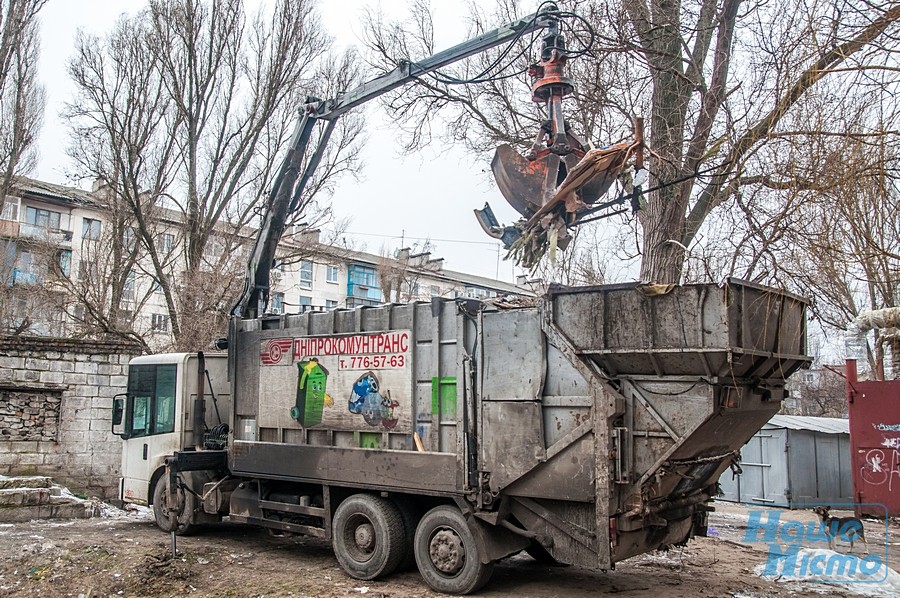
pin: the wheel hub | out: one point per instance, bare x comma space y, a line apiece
447, 551
364, 535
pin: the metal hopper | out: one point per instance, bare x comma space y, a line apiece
688, 375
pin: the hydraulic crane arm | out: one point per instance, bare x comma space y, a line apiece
287, 189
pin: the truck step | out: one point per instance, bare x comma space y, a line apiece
307, 530
291, 508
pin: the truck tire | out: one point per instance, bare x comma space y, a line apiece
368, 536
410, 514
182, 520
447, 554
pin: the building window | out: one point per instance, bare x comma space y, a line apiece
358, 301
364, 276
10, 209
129, 237
90, 228
26, 270
435, 290
42, 218
331, 274
215, 247
64, 259
362, 283
128, 287
306, 274
330, 303
277, 303
159, 322
166, 242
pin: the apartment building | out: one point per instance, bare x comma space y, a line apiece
339, 277
41, 220
62, 222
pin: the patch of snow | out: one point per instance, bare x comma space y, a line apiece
881, 582
131, 511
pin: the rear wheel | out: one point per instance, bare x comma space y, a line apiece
368, 536
173, 513
410, 514
447, 554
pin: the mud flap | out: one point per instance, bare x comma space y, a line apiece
495, 542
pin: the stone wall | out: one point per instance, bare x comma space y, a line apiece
29, 414
55, 410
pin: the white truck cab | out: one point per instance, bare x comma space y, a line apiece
154, 416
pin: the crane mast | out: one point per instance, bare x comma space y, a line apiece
292, 177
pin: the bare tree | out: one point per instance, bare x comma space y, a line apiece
29, 298
184, 111
822, 220
819, 392
715, 80
102, 288
22, 302
21, 96
399, 274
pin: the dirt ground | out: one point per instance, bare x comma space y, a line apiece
126, 555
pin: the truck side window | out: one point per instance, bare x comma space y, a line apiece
141, 417
165, 400
151, 392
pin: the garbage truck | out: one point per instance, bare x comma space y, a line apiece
587, 428
584, 427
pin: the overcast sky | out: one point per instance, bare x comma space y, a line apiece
429, 195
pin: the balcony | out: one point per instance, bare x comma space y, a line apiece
364, 292
59, 238
27, 276
9, 229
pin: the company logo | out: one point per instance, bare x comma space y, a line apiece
274, 350
816, 550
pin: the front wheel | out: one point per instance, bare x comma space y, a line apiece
447, 554
177, 516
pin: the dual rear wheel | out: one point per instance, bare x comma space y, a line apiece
446, 553
373, 537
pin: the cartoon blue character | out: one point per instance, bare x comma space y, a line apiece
364, 386
376, 407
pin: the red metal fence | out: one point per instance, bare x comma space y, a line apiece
874, 410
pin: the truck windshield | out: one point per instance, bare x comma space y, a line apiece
151, 393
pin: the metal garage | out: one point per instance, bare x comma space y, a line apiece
794, 461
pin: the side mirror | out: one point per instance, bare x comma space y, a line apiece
118, 412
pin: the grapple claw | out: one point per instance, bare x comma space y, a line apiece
519, 180
489, 224
558, 181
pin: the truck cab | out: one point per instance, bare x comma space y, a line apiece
155, 416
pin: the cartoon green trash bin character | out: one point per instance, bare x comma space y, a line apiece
311, 395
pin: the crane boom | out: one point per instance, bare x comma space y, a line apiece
287, 190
